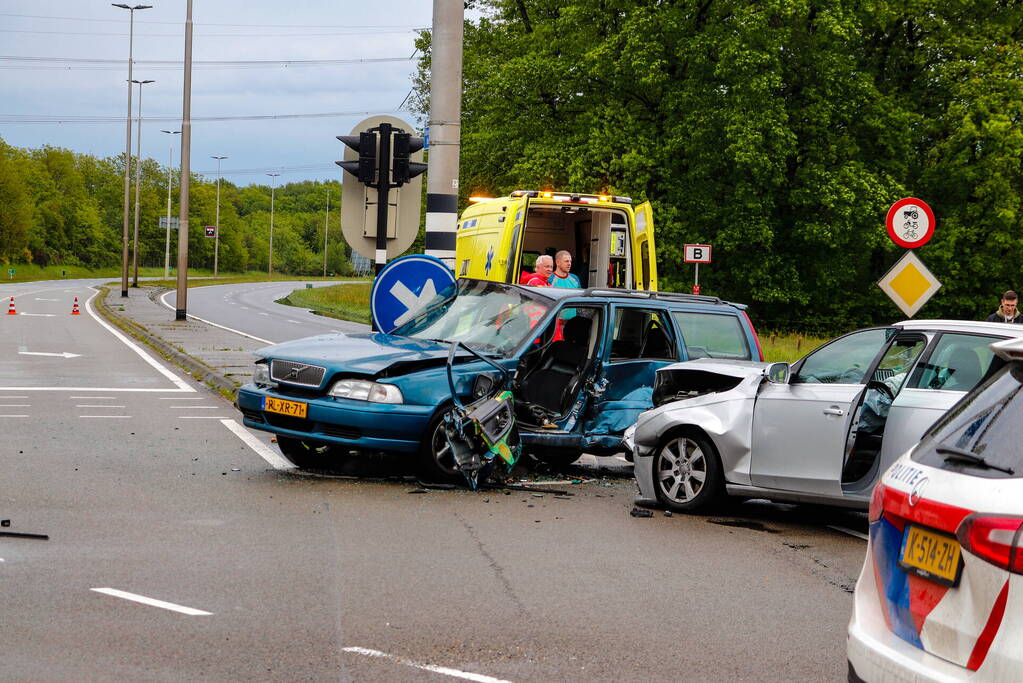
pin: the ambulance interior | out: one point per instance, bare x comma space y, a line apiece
597, 238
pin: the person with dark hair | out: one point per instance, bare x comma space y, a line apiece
1007, 311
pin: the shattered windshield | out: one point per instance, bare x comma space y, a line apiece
488, 317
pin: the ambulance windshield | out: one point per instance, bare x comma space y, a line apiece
489, 317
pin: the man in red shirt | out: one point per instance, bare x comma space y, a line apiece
543, 269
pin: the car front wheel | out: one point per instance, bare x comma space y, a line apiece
436, 459
687, 473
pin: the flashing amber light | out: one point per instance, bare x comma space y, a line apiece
604, 198
476, 200
546, 195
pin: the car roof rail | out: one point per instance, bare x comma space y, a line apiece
661, 296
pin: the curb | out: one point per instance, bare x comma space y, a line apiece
192, 366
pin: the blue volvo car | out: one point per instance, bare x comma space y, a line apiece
579, 362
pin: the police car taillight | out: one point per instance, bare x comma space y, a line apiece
994, 539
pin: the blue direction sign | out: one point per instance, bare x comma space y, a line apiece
403, 286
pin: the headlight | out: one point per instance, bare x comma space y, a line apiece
261, 375
365, 390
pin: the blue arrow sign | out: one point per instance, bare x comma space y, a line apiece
404, 286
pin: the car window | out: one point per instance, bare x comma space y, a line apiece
984, 424
843, 361
957, 363
642, 333
897, 361
712, 335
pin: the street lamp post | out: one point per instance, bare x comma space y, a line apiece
270, 260
170, 180
127, 148
216, 237
138, 177
326, 224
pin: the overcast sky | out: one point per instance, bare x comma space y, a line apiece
45, 75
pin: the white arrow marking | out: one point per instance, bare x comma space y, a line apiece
412, 302
63, 354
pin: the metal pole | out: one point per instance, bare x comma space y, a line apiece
127, 148
138, 176
216, 237
444, 123
326, 225
185, 182
170, 180
270, 259
383, 189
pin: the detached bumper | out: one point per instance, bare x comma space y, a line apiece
643, 470
356, 424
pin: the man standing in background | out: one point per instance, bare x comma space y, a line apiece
562, 276
1007, 311
543, 268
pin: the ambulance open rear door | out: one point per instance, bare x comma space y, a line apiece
645, 267
511, 252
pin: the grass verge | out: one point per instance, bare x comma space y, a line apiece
346, 302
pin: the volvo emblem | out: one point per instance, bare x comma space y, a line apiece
293, 372
917, 492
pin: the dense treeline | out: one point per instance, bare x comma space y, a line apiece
58, 207
779, 131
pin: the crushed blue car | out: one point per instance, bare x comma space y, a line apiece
579, 365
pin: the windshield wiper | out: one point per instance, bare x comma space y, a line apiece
961, 455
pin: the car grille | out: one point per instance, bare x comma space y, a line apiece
295, 424
339, 431
296, 373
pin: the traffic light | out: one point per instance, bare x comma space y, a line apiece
365, 143
403, 169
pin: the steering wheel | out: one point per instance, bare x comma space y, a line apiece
881, 387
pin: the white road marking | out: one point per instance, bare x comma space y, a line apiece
191, 407
38, 299
63, 354
14, 416
144, 391
178, 382
152, 602
209, 322
264, 314
278, 462
182, 398
245, 308
15, 405
15, 396
443, 670
109, 417
103, 405
199, 417
295, 321
40, 315
93, 398
857, 534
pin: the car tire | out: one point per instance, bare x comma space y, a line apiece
436, 461
308, 455
687, 473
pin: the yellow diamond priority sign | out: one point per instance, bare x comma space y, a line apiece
909, 284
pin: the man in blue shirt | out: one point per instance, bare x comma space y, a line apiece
562, 275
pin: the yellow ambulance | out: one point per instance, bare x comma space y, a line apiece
611, 242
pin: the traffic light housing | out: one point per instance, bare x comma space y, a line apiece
365, 143
403, 170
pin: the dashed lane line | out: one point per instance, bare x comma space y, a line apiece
152, 602
163, 300
200, 417
443, 670
97, 405
278, 462
15, 415
109, 417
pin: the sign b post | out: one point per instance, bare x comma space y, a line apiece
909, 284
697, 254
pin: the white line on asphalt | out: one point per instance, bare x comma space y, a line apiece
857, 534
182, 398
210, 322
15, 405
14, 416
40, 315
454, 673
94, 398
8, 396
191, 407
264, 314
295, 321
152, 602
38, 299
276, 461
146, 391
98, 405
178, 382
109, 417
199, 417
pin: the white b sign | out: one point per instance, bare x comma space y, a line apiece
697, 253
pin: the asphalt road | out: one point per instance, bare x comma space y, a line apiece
147, 493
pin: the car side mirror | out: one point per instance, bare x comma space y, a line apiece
778, 373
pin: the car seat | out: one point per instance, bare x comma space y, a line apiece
559, 366
964, 366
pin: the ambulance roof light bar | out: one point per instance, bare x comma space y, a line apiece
573, 197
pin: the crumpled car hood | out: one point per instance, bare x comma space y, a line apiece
364, 353
721, 366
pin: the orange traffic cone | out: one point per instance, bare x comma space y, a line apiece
75, 311
10, 309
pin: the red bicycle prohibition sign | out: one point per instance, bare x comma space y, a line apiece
910, 222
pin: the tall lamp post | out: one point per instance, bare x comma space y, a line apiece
138, 177
216, 237
326, 224
127, 147
170, 180
270, 260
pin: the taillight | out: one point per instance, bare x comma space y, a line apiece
993, 539
876, 504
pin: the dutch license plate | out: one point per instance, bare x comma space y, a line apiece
277, 405
932, 555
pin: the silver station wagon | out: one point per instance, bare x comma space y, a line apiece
821, 430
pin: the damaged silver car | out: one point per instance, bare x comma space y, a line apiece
819, 431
